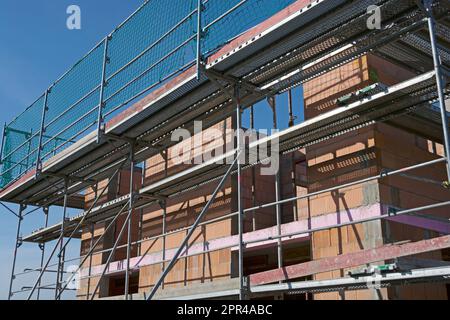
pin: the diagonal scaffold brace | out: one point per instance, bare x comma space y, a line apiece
80, 223
127, 225
192, 229
93, 247
240, 150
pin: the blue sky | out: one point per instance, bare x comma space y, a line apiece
36, 48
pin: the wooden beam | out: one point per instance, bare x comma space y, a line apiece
349, 260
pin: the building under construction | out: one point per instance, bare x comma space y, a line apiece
359, 208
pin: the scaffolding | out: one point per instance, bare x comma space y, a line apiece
198, 71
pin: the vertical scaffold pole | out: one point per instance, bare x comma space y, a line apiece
91, 248
163, 205
291, 110
103, 84
17, 246
252, 127
42, 247
41, 133
62, 250
292, 119
273, 105
199, 37
130, 219
3, 142
240, 148
164, 230
112, 251
439, 82
142, 211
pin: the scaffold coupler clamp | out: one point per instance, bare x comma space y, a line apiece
19, 242
246, 286
446, 184
392, 211
384, 173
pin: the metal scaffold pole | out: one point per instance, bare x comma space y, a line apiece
163, 205
439, 81
291, 123
273, 106
240, 148
3, 143
42, 247
164, 238
252, 127
103, 84
17, 246
129, 224
291, 110
91, 248
199, 38
42, 132
112, 252
62, 248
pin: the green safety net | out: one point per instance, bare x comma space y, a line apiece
151, 47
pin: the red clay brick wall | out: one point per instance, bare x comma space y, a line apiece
322, 92
361, 154
399, 149
338, 161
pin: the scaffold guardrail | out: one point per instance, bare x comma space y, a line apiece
138, 57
